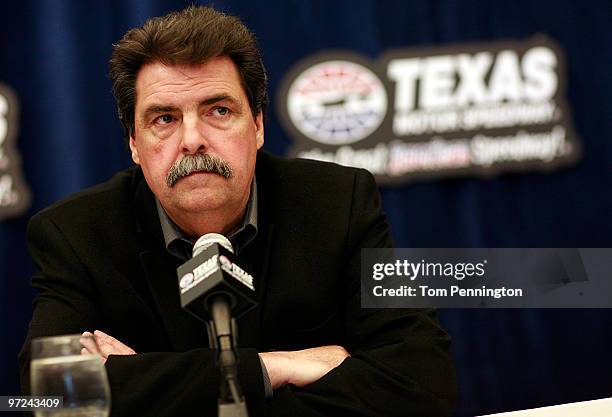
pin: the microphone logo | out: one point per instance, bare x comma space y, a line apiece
203, 271
236, 272
186, 280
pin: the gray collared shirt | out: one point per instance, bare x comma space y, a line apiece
179, 245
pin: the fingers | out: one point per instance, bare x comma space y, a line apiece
112, 345
103, 344
88, 343
90, 346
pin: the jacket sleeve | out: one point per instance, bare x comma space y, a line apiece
400, 362
148, 384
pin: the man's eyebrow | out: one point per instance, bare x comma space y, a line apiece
221, 97
157, 109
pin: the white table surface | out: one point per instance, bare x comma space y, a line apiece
595, 408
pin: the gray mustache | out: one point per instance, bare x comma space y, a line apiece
200, 162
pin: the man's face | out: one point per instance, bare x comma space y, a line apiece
184, 110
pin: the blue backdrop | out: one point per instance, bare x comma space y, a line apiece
54, 55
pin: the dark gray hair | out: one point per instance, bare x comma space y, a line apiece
190, 36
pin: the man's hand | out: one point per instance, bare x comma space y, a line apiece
302, 367
107, 345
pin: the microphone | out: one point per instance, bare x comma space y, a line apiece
213, 273
214, 288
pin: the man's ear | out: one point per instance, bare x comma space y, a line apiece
134, 150
259, 134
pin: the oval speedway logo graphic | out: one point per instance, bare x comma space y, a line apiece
336, 102
473, 109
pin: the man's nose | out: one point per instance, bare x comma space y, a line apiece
194, 138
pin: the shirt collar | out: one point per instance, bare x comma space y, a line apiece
179, 245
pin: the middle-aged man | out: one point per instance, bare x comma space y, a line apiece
191, 93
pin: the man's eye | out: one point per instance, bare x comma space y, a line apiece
164, 119
221, 111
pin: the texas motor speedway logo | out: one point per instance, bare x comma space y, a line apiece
475, 109
337, 102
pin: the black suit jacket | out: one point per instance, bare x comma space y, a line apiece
102, 264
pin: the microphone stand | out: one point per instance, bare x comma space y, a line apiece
231, 401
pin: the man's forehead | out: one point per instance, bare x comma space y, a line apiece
216, 76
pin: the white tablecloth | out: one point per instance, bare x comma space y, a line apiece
595, 408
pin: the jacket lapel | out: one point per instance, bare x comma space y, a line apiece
255, 260
256, 257
184, 331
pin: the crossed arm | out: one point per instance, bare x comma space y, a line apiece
299, 368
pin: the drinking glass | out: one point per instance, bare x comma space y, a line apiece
59, 369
